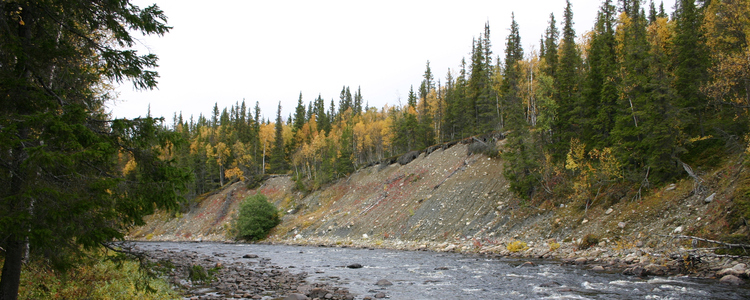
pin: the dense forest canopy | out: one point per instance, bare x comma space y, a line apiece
638, 98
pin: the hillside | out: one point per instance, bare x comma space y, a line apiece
451, 200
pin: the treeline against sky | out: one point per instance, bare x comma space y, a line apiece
638, 100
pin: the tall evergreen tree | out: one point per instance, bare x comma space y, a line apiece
520, 157
549, 49
690, 67
628, 131
570, 111
358, 101
345, 100
662, 136
426, 131
278, 156
61, 187
299, 115
600, 89
480, 88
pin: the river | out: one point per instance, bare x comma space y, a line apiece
436, 275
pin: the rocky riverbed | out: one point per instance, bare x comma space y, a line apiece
216, 276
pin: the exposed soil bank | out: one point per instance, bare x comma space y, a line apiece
448, 199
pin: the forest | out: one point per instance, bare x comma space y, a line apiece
638, 101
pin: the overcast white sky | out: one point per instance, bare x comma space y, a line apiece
225, 51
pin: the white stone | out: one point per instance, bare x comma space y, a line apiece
365, 236
621, 225
677, 230
609, 211
710, 198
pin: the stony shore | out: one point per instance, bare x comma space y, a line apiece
205, 277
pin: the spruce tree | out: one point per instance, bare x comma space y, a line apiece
549, 48
358, 101
690, 67
600, 89
628, 131
662, 118
482, 103
299, 115
278, 156
63, 193
570, 111
520, 155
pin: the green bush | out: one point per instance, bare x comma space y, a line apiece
256, 218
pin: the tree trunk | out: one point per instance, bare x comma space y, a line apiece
11, 277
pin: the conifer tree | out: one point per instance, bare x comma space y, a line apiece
520, 155
549, 48
63, 193
600, 89
299, 115
358, 101
570, 111
662, 136
628, 130
278, 156
690, 67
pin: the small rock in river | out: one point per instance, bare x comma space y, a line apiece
380, 295
250, 256
598, 269
549, 284
383, 282
354, 266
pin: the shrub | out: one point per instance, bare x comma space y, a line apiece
588, 241
256, 218
554, 246
490, 150
516, 246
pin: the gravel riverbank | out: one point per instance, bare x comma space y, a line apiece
217, 276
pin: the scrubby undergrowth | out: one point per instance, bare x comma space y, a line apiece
98, 278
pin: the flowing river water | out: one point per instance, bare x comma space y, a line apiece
436, 275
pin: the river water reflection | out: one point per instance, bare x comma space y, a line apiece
432, 275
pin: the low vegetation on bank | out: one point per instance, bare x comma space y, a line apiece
99, 276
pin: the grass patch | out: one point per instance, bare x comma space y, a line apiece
100, 278
516, 246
